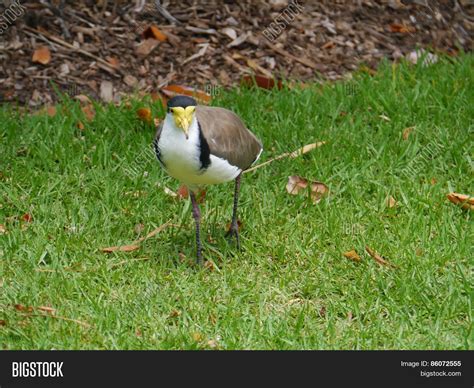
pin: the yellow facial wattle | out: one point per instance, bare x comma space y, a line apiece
183, 117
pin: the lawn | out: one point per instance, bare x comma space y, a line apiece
67, 192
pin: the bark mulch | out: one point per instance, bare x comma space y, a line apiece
107, 49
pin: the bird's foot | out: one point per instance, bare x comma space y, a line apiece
233, 232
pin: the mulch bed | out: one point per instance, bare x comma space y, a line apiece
107, 49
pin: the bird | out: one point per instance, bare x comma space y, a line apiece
203, 145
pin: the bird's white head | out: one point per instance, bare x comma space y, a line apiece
182, 109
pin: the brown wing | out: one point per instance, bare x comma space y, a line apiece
227, 136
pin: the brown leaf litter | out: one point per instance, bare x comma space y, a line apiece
297, 184
465, 201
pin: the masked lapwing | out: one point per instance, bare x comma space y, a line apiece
201, 145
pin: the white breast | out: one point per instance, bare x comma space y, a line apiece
181, 157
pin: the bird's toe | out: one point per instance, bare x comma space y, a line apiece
233, 233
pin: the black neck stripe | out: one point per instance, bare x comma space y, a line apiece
205, 154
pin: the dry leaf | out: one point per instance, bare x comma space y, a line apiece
3, 322
328, 45
20, 307
406, 132
3, 229
464, 200
158, 97
352, 255
42, 55
27, 217
379, 259
106, 91
122, 248
197, 337
240, 225
208, 264
113, 61
322, 311
89, 112
175, 314
144, 114
297, 184
174, 90
212, 344
391, 202
83, 99
155, 33
51, 111
261, 82
183, 193
402, 28
80, 125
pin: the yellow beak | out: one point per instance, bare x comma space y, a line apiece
183, 118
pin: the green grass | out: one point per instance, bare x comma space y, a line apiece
290, 287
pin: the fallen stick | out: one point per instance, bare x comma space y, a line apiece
164, 12
294, 154
379, 258
85, 324
136, 244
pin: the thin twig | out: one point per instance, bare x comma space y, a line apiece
379, 259
85, 324
153, 233
136, 244
164, 12
294, 154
